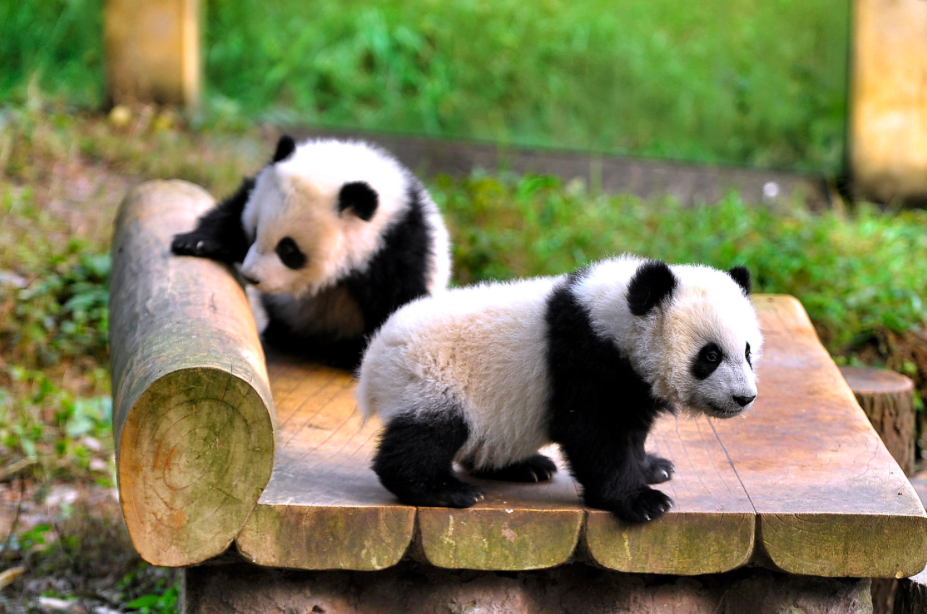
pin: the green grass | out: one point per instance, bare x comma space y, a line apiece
53, 44
736, 81
854, 272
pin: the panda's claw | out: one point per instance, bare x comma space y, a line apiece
645, 505
466, 495
657, 470
194, 244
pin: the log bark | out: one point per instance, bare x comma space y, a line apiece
192, 410
911, 595
888, 400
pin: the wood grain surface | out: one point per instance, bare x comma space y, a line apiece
323, 507
802, 481
193, 415
830, 499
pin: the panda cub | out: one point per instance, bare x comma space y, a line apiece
335, 236
488, 374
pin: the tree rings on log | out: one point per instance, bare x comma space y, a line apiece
193, 413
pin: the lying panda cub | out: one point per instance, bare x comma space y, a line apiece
335, 236
488, 374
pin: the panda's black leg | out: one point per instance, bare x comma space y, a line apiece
612, 475
537, 468
415, 457
219, 234
655, 469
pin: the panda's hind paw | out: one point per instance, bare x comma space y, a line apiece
657, 470
459, 496
537, 468
642, 506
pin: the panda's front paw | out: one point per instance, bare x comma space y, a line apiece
195, 244
643, 505
657, 470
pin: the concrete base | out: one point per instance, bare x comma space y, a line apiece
570, 589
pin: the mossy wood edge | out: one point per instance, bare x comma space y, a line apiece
193, 412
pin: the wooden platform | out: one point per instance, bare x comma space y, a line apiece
801, 483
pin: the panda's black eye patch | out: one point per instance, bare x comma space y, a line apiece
290, 254
706, 361
747, 355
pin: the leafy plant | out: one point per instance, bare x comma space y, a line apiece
66, 435
854, 272
163, 603
62, 313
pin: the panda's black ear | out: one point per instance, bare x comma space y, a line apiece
285, 148
741, 275
360, 198
652, 284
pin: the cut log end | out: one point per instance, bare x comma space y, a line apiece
888, 400
193, 414
197, 450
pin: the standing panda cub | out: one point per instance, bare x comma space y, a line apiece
335, 236
488, 374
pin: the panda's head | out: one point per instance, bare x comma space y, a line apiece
317, 212
704, 334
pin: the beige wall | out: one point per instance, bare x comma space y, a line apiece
153, 51
888, 99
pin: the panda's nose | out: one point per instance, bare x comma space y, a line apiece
744, 401
251, 280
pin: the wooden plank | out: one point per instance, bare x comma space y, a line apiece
153, 51
193, 416
324, 507
516, 526
803, 472
831, 500
709, 530
888, 100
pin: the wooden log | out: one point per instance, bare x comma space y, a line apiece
888, 100
153, 51
192, 410
888, 400
911, 595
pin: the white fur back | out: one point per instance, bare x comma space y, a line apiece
483, 348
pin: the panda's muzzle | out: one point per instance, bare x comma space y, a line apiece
251, 280
743, 401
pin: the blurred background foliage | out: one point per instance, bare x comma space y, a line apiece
757, 82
